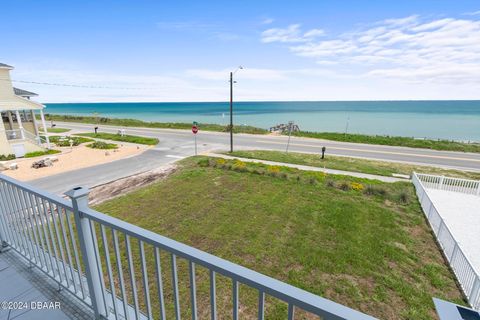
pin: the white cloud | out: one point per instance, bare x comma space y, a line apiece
474, 13
444, 50
247, 73
292, 34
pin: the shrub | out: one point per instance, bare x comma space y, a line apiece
373, 190
345, 186
403, 197
298, 178
331, 183
102, 145
258, 171
284, 175
312, 180
357, 186
65, 141
239, 166
7, 157
211, 162
203, 163
220, 162
273, 170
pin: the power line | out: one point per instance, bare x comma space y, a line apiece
74, 85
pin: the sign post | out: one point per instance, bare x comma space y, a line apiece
195, 131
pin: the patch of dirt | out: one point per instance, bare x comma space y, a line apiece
125, 185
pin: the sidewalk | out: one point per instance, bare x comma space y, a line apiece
309, 168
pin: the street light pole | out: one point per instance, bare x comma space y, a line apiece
231, 111
231, 106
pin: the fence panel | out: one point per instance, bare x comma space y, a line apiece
466, 274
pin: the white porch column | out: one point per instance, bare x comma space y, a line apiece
35, 125
42, 116
10, 120
20, 126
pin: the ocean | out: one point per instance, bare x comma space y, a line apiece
454, 120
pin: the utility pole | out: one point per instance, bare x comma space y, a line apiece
231, 111
231, 106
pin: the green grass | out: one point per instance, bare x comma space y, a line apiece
394, 141
382, 168
64, 141
41, 153
368, 248
139, 123
102, 145
125, 138
57, 130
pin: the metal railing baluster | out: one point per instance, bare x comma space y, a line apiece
158, 272
60, 246
261, 305
106, 251
235, 299
193, 289
145, 280
69, 254
131, 270
176, 299
120, 274
213, 296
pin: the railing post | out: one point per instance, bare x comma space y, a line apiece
3, 239
440, 184
478, 189
79, 198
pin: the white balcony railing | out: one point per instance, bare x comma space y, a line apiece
450, 184
92, 255
14, 134
467, 275
22, 134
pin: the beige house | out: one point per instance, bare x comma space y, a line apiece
19, 130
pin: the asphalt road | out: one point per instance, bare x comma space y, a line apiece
176, 144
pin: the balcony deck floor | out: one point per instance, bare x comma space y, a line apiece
20, 283
461, 213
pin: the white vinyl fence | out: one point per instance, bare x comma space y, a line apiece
450, 184
467, 276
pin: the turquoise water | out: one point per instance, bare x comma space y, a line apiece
458, 120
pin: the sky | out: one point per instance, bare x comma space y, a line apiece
118, 50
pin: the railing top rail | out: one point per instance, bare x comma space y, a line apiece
447, 228
301, 298
437, 176
44, 194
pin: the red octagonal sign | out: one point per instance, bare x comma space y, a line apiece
194, 129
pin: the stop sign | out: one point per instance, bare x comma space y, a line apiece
194, 129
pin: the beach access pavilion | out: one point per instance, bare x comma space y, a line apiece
19, 130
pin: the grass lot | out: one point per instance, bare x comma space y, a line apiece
57, 130
63, 141
361, 243
41, 153
117, 137
382, 168
139, 123
394, 141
